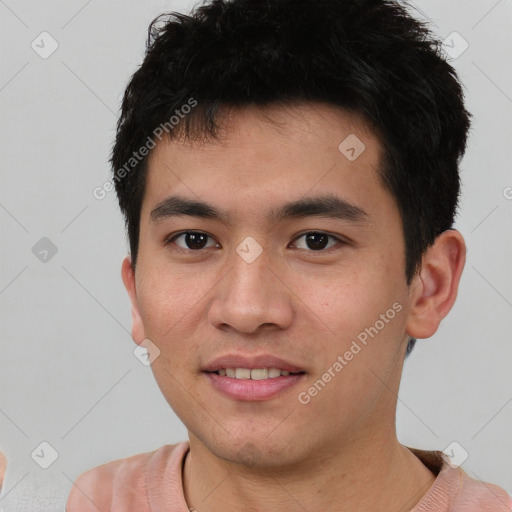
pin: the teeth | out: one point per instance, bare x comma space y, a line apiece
243, 373
254, 373
259, 373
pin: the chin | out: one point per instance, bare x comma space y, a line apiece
256, 451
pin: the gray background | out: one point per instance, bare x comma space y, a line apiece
68, 375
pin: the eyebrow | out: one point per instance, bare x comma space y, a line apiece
328, 206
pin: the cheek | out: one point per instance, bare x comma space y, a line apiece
166, 297
361, 315
350, 299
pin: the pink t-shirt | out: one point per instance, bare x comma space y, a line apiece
152, 482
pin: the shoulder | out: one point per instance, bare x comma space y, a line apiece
482, 496
453, 487
118, 485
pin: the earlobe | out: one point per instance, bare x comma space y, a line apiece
128, 275
434, 289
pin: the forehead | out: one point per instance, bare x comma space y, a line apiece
269, 152
303, 125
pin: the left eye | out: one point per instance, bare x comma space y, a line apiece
195, 240
317, 239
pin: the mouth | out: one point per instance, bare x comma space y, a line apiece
250, 377
254, 373
243, 366
253, 384
252, 390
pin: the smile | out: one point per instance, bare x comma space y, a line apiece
253, 384
253, 373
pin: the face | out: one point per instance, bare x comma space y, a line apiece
324, 293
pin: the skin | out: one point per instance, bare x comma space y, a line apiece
3, 467
339, 452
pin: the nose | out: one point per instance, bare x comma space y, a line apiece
252, 297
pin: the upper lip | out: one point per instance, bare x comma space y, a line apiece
241, 361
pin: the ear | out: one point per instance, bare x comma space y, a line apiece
128, 275
434, 289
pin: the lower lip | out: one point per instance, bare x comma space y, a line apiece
252, 390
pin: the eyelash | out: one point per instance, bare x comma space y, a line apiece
171, 238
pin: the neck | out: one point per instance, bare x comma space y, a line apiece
363, 476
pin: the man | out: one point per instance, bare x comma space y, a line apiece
288, 171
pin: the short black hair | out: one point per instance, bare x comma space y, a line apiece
369, 57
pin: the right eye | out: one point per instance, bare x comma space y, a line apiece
193, 240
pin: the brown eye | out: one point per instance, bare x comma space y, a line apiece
193, 240
317, 240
